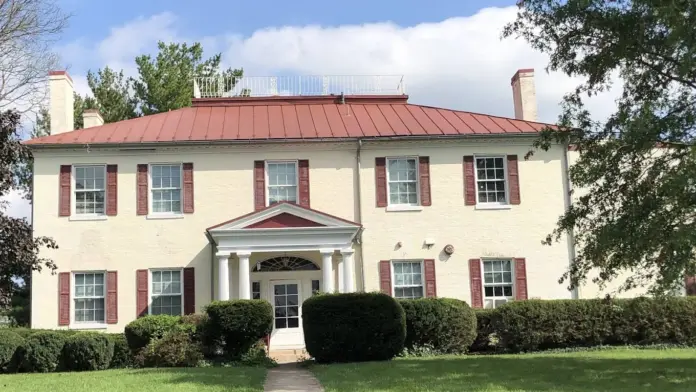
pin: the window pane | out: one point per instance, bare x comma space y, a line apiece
507, 291
293, 323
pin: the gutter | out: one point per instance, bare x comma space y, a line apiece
567, 189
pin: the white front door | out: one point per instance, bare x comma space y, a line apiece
286, 297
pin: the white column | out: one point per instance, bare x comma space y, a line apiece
348, 270
327, 284
223, 277
244, 279
339, 275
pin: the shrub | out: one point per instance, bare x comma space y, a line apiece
122, 357
141, 331
195, 325
9, 343
41, 352
257, 356
174, 349
444, 324
237, 325
88, 351
485, 335
353, 327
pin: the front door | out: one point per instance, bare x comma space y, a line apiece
287, 324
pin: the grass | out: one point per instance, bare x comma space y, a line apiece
241, 379
607, 370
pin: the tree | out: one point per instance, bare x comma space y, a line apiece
166, 83
637, 169
112, 93
79, 105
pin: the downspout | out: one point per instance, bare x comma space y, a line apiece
360, 218
567, 189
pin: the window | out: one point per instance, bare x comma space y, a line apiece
497, 282
490, 180
89, 297
402, 179
89, 190
408, 279
315, 286
282, 182
166, 293
166, 189
255, 290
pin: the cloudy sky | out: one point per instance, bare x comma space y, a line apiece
450, 52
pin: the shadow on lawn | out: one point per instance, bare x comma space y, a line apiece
235, 379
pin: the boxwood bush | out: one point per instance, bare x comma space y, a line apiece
41, 352
9, 343
353, 327
141, 331
175, 349
444, 324
237, 325
122, 357
88, 351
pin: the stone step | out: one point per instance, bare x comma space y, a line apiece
288, 355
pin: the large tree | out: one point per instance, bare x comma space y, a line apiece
636, 214
112, 93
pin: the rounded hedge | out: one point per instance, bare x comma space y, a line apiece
444, 324
88, 351
174, 349
237, 325
9, 343
41, 352
141, 331
353, 327
122, 357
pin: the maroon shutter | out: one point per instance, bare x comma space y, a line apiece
385, 277
520, 278
690, 284
381, 181
303, 177
111, 297
469, 181
111, 190
141, 293
64, 190
513, 179
189, 291
64, 298
188, 188
142, 190
259, 185
424, 174
475, 282
430, 283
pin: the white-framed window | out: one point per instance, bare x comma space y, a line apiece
497, 282
90, 189
281, 177
166, 292
491, 180
402, 181
408, 278
88, 296
165, 188
256, 290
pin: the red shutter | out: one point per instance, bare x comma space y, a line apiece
111, 297
189, 290
690, 284
259, 185
141, 293
142, 190
475, 282
111, 190
64, 298
513, 179
520, 278
469, 181
430, 283
188, 188
381, 181
303, 177
64, 190
385, 277
424, 174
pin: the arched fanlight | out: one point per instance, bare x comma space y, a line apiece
285, 263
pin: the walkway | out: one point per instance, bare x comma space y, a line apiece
291, 378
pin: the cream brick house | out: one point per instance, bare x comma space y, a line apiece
278, 196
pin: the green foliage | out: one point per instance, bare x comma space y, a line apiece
9, 343
80, 104
112, 92
353, 327
41, 352
141, 331
174, 349
485, 338
195, 324
446, 325
88, 351
123, 357
237, 325
257, 356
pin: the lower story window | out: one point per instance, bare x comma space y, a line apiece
497, 282
255, 290
315, 286
89, 297
166, 292
408, 279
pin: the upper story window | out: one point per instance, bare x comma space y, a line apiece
497, 282
490, 180
90, 190
402, 180
166, 292
282, 181
165, 187
88, 295
408, 279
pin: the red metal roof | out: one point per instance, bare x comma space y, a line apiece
293, 118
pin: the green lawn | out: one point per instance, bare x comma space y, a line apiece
242, 379
606, 370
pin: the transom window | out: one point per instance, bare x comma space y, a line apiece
166, 292
89, 190
89, 297
497, 282
285, 263
408, 279
490, 180
255, 290
282, 182
166, 188
402, 177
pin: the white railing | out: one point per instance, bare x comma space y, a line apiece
307, 85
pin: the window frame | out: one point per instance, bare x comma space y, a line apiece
417, 182
151, 281
74, 324
484, 284
505, 182
74, 190
150, 198
393, 276
266, 172
251, 288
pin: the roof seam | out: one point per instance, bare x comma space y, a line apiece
323, 109
421, 124
372, 121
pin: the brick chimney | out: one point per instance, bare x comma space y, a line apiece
92, 118
524, 94
61, 103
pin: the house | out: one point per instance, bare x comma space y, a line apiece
276, 196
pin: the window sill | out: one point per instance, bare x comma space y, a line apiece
87, 326
165, 216
493, 206
87, 218
404, 208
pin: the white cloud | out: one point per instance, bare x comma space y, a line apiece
15, 205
